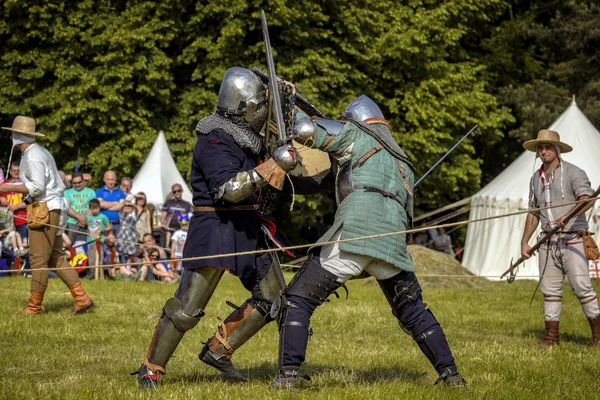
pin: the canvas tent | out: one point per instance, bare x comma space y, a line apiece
158, 174
490, 245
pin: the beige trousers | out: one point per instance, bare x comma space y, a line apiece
559, 258
46, 252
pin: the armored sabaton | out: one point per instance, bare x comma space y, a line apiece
225, 177
374, 194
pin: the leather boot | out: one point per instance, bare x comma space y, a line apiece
595, 325
552, 336
34, 307
82, 300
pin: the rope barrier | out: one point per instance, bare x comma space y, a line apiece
85, 233
302, 246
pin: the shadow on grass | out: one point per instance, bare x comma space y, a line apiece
337, 376
55, 307
564, 337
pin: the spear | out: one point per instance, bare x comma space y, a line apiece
571, 214
445, 155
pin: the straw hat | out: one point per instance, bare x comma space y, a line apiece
547, 136
24, 125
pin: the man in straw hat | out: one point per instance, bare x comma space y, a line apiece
558, 182
42, 184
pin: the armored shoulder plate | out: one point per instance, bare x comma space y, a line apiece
333, 128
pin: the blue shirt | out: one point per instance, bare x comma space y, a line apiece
113, 196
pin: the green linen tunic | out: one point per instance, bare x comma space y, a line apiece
363, 212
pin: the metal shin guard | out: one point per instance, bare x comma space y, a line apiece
236, 330
180, 314
403, 292
308, 289
245, 321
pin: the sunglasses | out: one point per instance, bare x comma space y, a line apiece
178, 191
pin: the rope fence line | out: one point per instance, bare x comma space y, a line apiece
86, 233
302, 246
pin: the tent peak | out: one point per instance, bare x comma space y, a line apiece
574, 99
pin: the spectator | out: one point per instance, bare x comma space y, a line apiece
15, 202
178, 240
109, 251
150, 243
443, 242
125, 186
97, 224
65, 180
111, 200
78, 198
156, 270
127, 235
144, 217
172, 209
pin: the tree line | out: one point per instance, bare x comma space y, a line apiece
103, 77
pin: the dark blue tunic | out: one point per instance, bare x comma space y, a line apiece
218, 158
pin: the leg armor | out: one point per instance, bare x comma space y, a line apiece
403, 293
180, 314
308, 289
246, 320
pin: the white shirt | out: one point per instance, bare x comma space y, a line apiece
40, 175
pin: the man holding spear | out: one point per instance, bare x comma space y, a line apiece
563, 253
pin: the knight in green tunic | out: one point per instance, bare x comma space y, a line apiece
374, 181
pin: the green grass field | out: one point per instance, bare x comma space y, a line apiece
357, 351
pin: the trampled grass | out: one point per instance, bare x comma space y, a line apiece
357, 351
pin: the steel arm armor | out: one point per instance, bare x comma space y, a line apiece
240, 186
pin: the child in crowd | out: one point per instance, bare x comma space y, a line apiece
178, 239
127, 237
10, 239
97, 224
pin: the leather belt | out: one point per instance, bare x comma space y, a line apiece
253, 207
381, 192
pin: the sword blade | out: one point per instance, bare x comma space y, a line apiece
273, 86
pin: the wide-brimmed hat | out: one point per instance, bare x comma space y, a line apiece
547, 136
24, 125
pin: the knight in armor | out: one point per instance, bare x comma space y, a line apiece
374, 194
225, 177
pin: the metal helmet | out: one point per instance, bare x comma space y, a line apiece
243, 97
361, 109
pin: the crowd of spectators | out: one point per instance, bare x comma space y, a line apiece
110, 227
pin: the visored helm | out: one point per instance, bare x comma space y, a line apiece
361, 108
243, 97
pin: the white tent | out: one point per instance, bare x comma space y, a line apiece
490, 245
158, 174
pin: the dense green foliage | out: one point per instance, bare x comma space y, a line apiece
102, 77
357, 350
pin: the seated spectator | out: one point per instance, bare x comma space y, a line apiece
15, 204
150, 243
97, 224
78, 198
127, 236
178, 240
110, 255
443, 242
172, 209
156, 270
144, 217
111, 200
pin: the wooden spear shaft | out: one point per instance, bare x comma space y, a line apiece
547, 236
